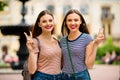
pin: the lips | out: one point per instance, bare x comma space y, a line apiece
73, 27
48, 27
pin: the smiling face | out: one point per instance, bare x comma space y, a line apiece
73, 22
46, 23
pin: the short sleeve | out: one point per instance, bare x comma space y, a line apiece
87, 38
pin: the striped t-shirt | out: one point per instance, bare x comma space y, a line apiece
77, 50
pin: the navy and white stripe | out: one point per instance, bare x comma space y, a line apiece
77, 49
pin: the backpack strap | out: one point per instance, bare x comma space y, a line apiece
38, 47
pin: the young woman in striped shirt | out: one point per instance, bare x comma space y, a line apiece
82, 47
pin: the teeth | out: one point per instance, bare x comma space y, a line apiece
48, 27
72, 26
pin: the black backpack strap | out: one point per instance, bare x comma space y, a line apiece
38, 46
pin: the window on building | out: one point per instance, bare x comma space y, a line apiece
84, 9
66, 9
50, 8
106, 19
105, 12
109, 29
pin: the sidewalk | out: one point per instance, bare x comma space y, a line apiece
105, 72
99, 72
9, 74
11, 77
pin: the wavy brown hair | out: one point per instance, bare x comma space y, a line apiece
83, 27
36, 30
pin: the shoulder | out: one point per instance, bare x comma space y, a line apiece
86, 36
36, 39
63, 38
55, 39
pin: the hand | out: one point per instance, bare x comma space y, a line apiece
30, 43
100, 36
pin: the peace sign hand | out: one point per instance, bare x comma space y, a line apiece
100, 36
30, 43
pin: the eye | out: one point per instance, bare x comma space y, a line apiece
43, 21
76, 20
69, 20
50, 20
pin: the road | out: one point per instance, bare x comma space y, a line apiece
99, 72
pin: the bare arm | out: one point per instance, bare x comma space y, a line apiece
32, 59
91, 49
32, 62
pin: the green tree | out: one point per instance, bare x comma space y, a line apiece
107, 47
2, 5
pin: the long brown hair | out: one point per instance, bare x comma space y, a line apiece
36, 30
83, 27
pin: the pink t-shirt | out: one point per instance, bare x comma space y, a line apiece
49, 59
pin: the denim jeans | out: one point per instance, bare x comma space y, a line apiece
43, 76
83, 75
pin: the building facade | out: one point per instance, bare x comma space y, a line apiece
97, 13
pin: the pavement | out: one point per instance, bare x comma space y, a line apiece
99, 72
105, 72
9, 74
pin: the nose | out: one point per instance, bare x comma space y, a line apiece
73, 22
48, 22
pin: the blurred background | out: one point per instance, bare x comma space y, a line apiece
17, 16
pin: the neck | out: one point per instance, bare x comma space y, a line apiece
73, 35
46, 36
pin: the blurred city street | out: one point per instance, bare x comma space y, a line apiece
99, 72
19, 16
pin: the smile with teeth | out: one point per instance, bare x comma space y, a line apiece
48, 27
73, 26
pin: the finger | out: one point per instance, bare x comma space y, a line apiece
30, 34
101, 31
26, 35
